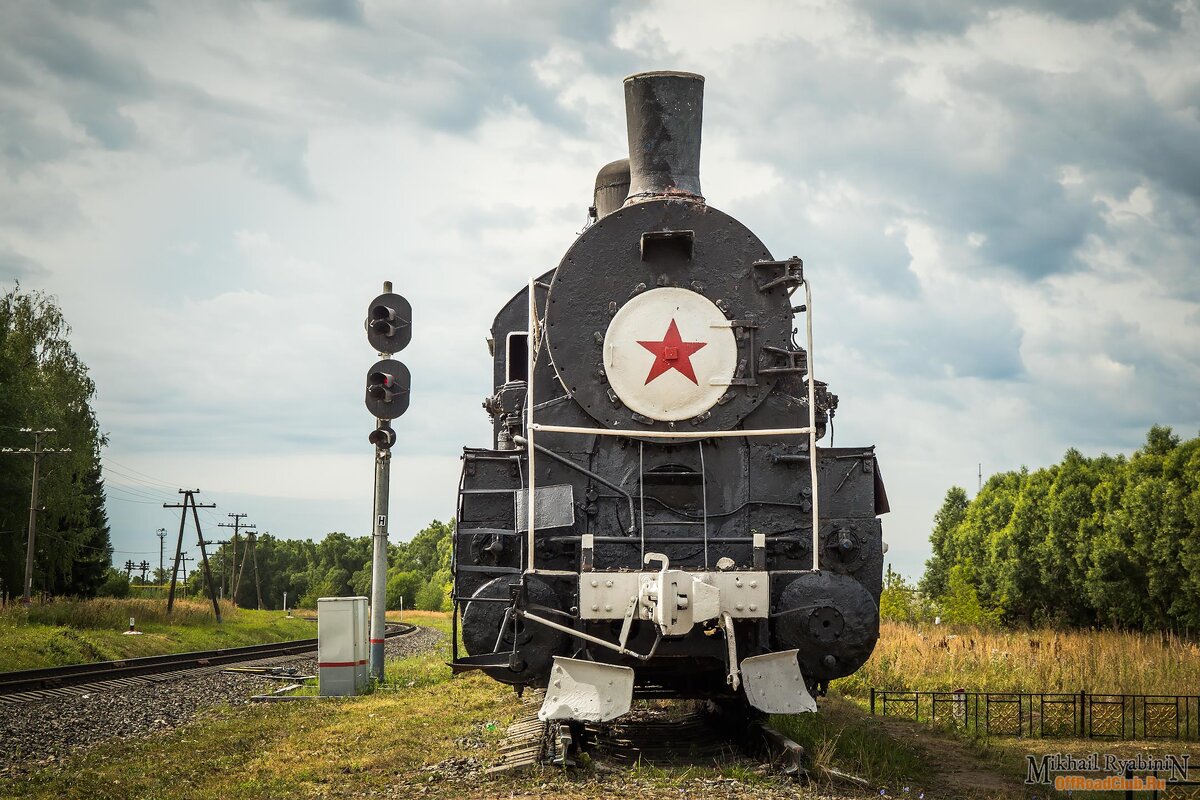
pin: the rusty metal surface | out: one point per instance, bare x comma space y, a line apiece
663, 114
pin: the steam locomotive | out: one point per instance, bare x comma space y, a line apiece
654, 517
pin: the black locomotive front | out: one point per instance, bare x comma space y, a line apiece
669, 549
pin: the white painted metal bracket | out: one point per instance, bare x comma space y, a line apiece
586, 691
744, 594
775, 685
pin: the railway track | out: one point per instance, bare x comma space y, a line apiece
701, 736
76, 679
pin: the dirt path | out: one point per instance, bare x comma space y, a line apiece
961, 769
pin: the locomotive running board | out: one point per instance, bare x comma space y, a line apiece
775, 685
586, 691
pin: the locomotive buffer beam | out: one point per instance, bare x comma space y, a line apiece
674, 601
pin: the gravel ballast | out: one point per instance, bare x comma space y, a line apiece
39, 733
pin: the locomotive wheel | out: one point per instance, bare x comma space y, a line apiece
532, 646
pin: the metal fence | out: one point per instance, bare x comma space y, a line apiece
1080, 715
1176, 789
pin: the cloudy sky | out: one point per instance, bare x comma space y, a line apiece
997, 204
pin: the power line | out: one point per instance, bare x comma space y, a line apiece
139, 502
134, 495
62, 538
135, 490
127, 468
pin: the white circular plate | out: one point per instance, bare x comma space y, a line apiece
669, 354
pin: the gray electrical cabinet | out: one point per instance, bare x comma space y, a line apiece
342, 645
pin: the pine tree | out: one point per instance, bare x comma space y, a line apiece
44, 384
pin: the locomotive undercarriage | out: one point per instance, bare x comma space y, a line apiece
749, 539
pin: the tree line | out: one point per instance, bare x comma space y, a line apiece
44, 385
1106, 541
337, 566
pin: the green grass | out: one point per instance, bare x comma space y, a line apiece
333, 748
428, 668
412, 737
75, 632
424, 669
840, 738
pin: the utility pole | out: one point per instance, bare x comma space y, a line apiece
37, 452
236, 575
162, 538
251, 539
185, 559
389, 330
144, 567
189, 501
223, 551
128, 569
980, 487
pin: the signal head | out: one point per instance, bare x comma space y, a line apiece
383, 437
389, 323
387, 389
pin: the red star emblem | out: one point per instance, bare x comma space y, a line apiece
672, 353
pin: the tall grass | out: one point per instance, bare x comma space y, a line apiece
108, 613
914, 657
77, 631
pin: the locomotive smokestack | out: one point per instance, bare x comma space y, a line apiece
663, 112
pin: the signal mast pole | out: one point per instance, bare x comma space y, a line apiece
383, 474
389, 330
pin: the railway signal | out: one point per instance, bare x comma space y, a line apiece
387, 389
389, 323
389, 330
